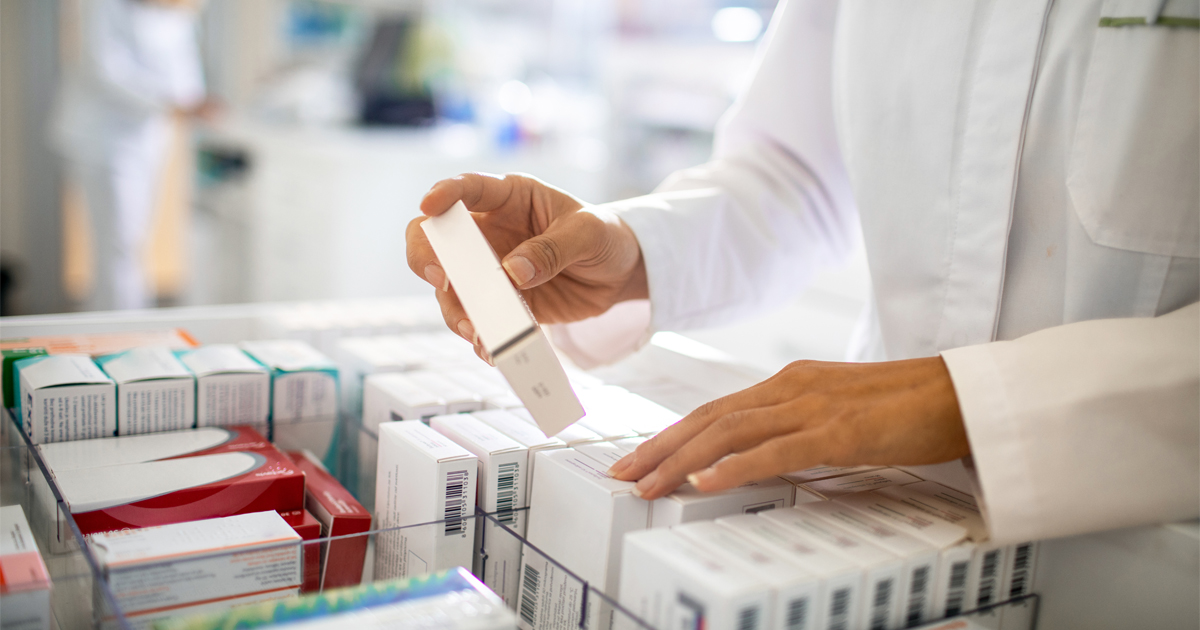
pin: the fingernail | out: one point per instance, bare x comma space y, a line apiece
466, 330
702, 478
646, 484
520, 269
621, 465
436, 277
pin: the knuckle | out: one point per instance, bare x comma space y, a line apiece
548, 251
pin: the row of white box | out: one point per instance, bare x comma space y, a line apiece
880, 560
68, 397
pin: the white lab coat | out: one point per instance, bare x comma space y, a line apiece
1016, 168
138, 61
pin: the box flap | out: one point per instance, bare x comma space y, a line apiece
143, 364
61, 369
219, 359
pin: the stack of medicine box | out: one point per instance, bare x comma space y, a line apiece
893, 557
136, 481
304, 393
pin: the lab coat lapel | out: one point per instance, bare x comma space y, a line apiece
986, 171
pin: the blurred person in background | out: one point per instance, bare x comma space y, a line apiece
139, 66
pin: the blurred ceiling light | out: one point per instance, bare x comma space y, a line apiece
737, 24
515, 97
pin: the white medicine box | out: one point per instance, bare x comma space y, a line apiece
155, 391
65, 397
231, 388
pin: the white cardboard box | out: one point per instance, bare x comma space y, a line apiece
502, 320
670, 582
616, 408
422, 477
65, 397
917, 585
816, 473
25, 589
573, 435
526, 434
917, 523
884, 570
579, 515
458, 398
231, 388
858, 482
155, 571
155, 391
501, 483
687, 504
841, 591
393, 396
795, 591
304, 382
606, 453
488, 383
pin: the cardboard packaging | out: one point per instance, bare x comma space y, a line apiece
304, 382
145, 494
671, 582
795, 592
458, 399
505, 326
687, 504
231, 388
579, 515
1018, 562
308, 528
488, 383
339, 514
613, 410
606, 453
423, 477
841, 581
501, 483
880, 604
919, 574
817, 473
155, 391
134, 449
93, 344
573, 435
24, 581
859, 482
65, 397
392, 397
525, 434
162, 572
449, 600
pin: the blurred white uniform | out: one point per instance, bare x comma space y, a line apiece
139, 60
1025, 176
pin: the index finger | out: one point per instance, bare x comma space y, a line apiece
481, 192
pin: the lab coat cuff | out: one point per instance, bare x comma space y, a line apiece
1005, 477
606, 338
646, 216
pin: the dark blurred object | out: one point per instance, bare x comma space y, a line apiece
8, 274
216, 164
389, 76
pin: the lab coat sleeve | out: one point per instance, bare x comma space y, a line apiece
748, 229
113, 66
1085, 427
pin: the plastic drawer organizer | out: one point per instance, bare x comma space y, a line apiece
83, 598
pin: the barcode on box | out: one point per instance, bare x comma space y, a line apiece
917, 595
1020, 576
530, 585
456, 503
987, 580
797, 614
958, 588
879, 605
506, 493
748, 618
839, 609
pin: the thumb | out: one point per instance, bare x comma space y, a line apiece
568, 240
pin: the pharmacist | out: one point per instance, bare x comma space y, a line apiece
140, 65
1025, 175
